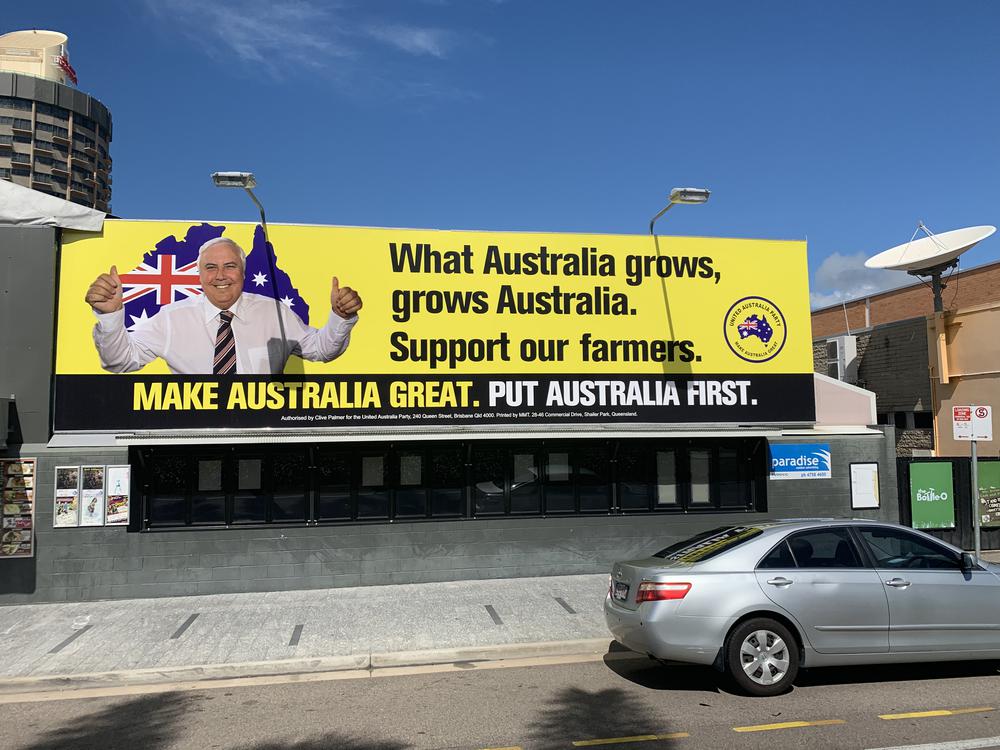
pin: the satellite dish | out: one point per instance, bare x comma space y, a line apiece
931, 255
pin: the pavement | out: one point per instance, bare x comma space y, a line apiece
145, 641
80, 645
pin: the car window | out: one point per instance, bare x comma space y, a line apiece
779, 557
896, 548
709, 543
824, 548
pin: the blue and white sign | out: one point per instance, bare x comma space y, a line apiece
800, 461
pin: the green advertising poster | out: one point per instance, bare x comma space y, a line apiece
989, 492
932, 495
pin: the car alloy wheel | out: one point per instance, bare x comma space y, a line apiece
762, 657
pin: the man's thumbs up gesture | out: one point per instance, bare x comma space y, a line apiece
343, 300
105, 294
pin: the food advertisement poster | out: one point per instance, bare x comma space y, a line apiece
17, 514
455, 329
118, 494
92, 497
67, 501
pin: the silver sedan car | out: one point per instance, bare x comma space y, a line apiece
759, 601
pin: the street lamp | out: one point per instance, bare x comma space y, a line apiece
247, 181
687, 196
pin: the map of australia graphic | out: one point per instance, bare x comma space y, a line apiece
169, 273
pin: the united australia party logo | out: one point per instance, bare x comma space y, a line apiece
754, 329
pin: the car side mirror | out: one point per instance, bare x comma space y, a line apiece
968, 562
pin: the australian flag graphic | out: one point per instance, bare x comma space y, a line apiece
756, 326
169, 273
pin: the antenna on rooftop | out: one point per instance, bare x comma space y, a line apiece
930, 256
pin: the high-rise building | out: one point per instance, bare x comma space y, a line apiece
53, 137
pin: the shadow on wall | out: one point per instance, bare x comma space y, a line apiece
155, 722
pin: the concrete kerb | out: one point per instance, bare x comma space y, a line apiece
286, 667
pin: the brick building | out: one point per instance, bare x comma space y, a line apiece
879, 342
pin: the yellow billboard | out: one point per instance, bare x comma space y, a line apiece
186, 320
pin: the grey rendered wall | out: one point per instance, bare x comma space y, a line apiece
27, 322
103, 563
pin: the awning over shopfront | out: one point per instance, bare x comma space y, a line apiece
24, 207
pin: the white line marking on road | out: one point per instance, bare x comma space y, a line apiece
973, 744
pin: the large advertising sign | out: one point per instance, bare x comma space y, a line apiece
454, 328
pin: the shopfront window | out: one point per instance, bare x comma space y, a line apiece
255, 485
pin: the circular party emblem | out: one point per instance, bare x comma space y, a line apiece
754, 329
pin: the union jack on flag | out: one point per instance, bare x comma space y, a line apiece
167, 274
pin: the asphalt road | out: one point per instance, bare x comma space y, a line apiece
589, 704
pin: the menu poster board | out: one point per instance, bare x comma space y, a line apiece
864, 486
989, 493
17, 513
117, 483
67, 504
92, 498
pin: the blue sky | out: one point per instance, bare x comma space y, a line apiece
841, 122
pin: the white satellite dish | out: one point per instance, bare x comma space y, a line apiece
931, 255
930, 251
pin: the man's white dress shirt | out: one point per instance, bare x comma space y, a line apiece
183, 333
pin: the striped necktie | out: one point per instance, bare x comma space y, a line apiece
225, 346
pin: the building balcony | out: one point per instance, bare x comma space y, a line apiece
44, 147
21, 130
64, 140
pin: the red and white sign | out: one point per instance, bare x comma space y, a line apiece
972, 422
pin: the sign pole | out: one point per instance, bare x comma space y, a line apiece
975, 500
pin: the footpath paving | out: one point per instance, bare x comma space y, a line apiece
189, 638
48, 646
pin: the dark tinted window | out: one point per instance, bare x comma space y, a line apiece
895, 548
709, 544
779, 557
824, 548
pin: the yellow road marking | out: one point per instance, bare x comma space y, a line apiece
512, 747
940, 712
637, 738
788, 725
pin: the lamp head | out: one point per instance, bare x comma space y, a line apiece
234, 179
689, 195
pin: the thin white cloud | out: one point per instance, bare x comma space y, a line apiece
273, 35
844, 277
414, 40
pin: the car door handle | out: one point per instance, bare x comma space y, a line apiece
780, 582
897, 583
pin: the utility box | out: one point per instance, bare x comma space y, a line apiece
842, 358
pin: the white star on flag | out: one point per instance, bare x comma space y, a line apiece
286, 300
137, 319
259, 279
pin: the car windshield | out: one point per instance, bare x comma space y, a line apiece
709, 543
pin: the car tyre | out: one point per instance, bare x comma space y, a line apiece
762, 657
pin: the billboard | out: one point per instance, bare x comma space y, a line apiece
456, 329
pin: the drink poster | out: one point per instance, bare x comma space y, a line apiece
989, 493
17, 513
118, 481
92, 498
67, 503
